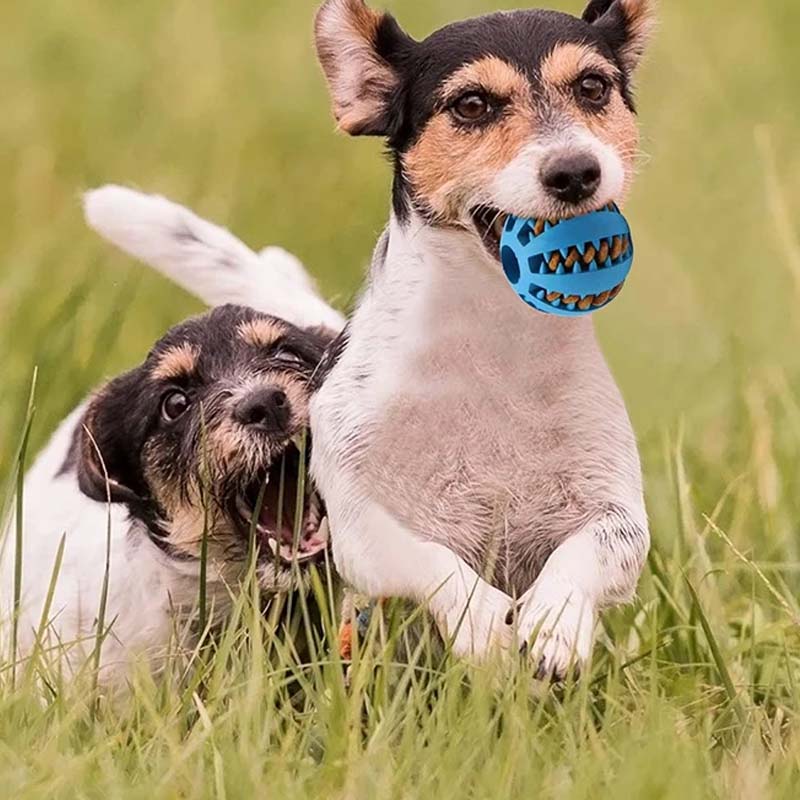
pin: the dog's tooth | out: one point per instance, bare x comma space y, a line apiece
601, 298
273, 545
324, 530
498, 226
288, 553
585, 302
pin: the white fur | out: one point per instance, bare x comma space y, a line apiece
144, 585
513, 190
151, 597
205, 259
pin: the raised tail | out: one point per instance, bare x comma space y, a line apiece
205, 259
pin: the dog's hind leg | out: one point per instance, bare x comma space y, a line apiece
205, 259
594, 568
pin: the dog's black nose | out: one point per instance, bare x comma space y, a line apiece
265, 407
571, 178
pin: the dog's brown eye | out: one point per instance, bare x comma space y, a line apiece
471, 107
594, 90
174, 405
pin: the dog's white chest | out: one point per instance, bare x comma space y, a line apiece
466, 414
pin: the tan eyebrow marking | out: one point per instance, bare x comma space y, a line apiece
179, 361
261, 332
490, 73
566, 62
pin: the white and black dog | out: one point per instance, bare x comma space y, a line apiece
473, 452
179, 449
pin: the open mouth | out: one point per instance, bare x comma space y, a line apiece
286, 528
489, 222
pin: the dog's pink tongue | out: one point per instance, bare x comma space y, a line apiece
313, 544
308, 543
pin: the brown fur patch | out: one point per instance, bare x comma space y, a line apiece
176, 362
567, 61
448, 162
490, 73
640, 16
358, 78
261, 332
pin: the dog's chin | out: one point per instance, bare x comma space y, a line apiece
289, 528
489, 221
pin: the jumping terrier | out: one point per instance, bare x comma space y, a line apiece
474, 454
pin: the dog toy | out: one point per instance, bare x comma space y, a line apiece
571, 267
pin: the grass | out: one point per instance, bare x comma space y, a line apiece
694, 690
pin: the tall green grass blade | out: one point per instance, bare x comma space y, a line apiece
44, 619
716, 654
100, 625
20, 522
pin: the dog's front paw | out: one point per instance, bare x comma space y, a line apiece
555, 629
477, 623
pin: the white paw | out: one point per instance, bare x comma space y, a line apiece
555, 627
476, 622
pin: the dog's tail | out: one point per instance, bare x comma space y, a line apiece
205, 259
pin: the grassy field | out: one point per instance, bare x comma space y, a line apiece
695, 689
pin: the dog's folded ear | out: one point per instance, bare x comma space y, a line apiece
106, 463
360, 51
627, 25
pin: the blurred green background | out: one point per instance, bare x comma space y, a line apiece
221, 106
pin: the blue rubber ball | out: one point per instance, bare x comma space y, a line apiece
571, 267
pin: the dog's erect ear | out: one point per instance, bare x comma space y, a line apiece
106, 464
627, 25
359, 50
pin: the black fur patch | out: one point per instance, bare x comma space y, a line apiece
331, 358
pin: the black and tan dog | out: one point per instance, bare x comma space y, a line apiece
199, 443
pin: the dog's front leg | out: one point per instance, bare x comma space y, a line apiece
382, 558
594, 568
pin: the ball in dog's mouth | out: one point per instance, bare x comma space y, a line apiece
568, 266
269, 505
